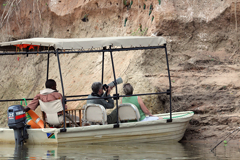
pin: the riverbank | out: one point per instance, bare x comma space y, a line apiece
203, 51
208, 84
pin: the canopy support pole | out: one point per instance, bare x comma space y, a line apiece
104, 48
47, 66
115, 82
63, 98
169, 91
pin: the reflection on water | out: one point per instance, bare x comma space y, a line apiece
128, 151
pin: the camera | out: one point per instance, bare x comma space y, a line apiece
118, 81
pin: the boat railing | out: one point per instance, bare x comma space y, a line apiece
73, 96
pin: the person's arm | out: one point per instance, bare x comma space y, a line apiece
143, 107
33, 104
109, 90
108, 104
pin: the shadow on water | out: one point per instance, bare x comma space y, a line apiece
120, 151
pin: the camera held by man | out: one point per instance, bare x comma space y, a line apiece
112, 84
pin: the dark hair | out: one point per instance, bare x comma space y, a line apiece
50, 83
128, 89
96, 86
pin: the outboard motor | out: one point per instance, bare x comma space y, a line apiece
16, 121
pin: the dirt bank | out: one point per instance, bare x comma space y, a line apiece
202, 41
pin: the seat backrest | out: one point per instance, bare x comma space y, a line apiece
51, 109
95, 113
128, 111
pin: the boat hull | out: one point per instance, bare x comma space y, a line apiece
134, 132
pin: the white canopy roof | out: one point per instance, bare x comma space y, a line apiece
88, 43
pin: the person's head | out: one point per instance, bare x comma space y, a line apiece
97, 88
128, 89
50, 83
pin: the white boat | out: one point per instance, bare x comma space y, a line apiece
171, 128
149, 131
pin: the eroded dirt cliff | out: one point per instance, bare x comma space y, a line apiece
202, 41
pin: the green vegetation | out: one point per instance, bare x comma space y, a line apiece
4, 4
159, 2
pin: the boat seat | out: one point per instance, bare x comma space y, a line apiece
51, 109
95, 113
128, 111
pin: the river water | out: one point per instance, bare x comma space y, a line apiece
168, 151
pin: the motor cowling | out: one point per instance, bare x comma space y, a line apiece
17, 122
16, 117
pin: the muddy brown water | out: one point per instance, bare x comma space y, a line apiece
184, 150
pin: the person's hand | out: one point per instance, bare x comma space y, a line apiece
105, 87
109, 90
26, 109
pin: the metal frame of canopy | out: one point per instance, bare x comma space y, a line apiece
8, 47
